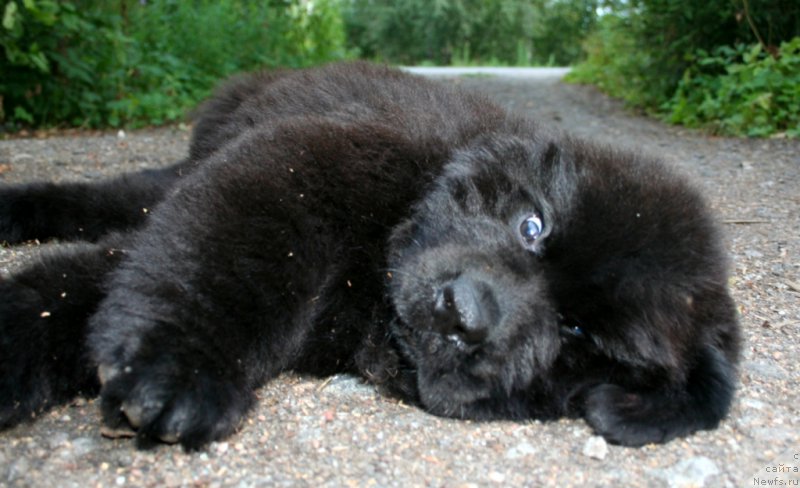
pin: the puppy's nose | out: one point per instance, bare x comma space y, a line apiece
466, 309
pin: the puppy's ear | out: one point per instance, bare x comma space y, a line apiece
551, 155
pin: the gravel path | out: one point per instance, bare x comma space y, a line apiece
306, 432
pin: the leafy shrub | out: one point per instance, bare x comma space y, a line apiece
741, 91
654, 54
617, 66
638, 50
184, 47
139, 62
54, 54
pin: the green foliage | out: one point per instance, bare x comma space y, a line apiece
498, 32
756, 94
654, 53
88, 63
638, 50
617, 66
43, 77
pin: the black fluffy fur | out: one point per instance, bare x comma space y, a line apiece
352, 218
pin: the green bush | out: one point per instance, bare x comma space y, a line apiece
184, 47
741, 91
53, 57
617, 66
91, 63
638, 50
654, 54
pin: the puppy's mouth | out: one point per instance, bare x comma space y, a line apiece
452, 373
456, 378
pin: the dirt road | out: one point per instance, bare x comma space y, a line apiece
306, 432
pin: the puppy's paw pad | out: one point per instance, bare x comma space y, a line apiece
164, 402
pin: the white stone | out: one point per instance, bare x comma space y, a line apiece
595, 447
691, 472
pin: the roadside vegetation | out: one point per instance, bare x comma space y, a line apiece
94, 63
728, 66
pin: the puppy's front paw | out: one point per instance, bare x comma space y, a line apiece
164, 399
623, 417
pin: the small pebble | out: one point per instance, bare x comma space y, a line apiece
520, 450
595, 447
497, 477
691, 472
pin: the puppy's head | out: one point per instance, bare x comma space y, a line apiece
531, 263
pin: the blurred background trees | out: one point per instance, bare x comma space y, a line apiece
732, 66
495, 32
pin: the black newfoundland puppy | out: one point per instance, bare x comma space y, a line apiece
356, 219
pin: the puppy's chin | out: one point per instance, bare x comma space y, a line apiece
464, 396
467, 381
451, 394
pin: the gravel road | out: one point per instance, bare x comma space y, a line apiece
307, 432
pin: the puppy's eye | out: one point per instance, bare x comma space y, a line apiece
573, 331
531, 228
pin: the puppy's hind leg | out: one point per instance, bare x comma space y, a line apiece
82, 210
44, 310
635, 418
